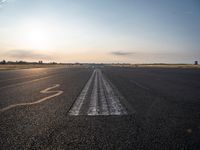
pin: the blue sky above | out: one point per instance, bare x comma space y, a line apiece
134, 31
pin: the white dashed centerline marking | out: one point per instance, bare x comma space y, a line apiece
79, 102
103, 99
93, 107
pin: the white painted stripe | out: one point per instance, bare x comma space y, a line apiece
46, 91
75, 110
104, 105
103, 94
93, 107
113, 101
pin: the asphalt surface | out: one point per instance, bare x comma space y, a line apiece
162, 108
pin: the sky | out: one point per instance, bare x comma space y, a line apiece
100, 31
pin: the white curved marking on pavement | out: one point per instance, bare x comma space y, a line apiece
45, 91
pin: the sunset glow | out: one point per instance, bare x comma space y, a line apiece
100, 31
36, 35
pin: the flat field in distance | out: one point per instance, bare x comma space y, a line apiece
158, 65
29, 66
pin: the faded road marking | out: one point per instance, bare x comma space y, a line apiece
93, 108
139, 85
79, 102
45, 91
28, 76
113, 100
104, 104
16, 84
104, 100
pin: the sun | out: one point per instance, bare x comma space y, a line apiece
36, 35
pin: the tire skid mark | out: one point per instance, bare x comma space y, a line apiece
45, 91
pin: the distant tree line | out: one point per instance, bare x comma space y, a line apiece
3, 62
25, 62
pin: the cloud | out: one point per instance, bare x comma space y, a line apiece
2, 2
122, 53
26, 54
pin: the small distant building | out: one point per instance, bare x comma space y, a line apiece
196, 62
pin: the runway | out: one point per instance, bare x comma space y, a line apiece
100, 107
